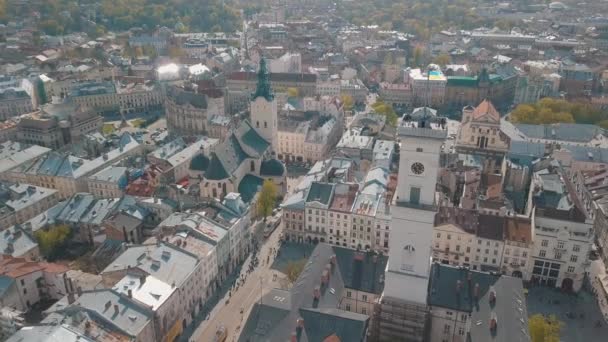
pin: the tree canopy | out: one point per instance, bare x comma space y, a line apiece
348, 101
548, 110
294, 268
387, 110
420, 17
52, 239
544, 329
63, 16
267, 198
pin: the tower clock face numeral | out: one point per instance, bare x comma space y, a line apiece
417, 168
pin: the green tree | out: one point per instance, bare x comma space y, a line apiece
52, 239
387, 110
51, 27
292, 92
544, 329
294, 269
417, 58
267, 199
348, 101
442, 59
549, 110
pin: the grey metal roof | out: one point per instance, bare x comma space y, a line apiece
276, 318
14, 154
561, 131
16, 242
131, 317
111, 174
509, 309
48, 333
27, 195
360, 270
165, 262
443, 287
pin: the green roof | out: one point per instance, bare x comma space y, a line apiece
272, 167
200, 162
263, 88
227, 157
361, 271
251, 138
320, 192
462, 81
322, 323
443, 289
249, 186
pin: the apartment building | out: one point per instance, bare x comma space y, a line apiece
57, 125
35, 281
189, 110
26, 201
68, 174
14, 102
115, 98
15, 154
466, 304
563, 233
428, 86
109, 182
307, 136
173, 274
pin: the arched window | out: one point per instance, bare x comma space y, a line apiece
257, 124
408, 258
265, 124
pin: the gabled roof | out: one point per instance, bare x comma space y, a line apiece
485, 111
243, 143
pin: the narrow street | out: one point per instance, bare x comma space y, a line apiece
227, 312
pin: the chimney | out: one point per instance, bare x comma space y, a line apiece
116, 311
79, 291
294, 337
325, 277
301, 323
142, 279
130, 293
71, 298
71, 285
332, 260
317, 292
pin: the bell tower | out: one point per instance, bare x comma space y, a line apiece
264, 108
421, 135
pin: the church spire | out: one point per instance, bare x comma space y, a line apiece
263, 88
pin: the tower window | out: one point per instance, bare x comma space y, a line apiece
265, 124
418, 149
257, 124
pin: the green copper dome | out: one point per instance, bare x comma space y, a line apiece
263, 88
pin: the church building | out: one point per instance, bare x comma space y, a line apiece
246, 157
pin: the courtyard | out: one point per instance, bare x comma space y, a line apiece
579, 313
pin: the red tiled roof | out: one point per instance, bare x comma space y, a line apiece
18, 267
486, 109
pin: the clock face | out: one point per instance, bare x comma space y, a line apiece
417, 168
